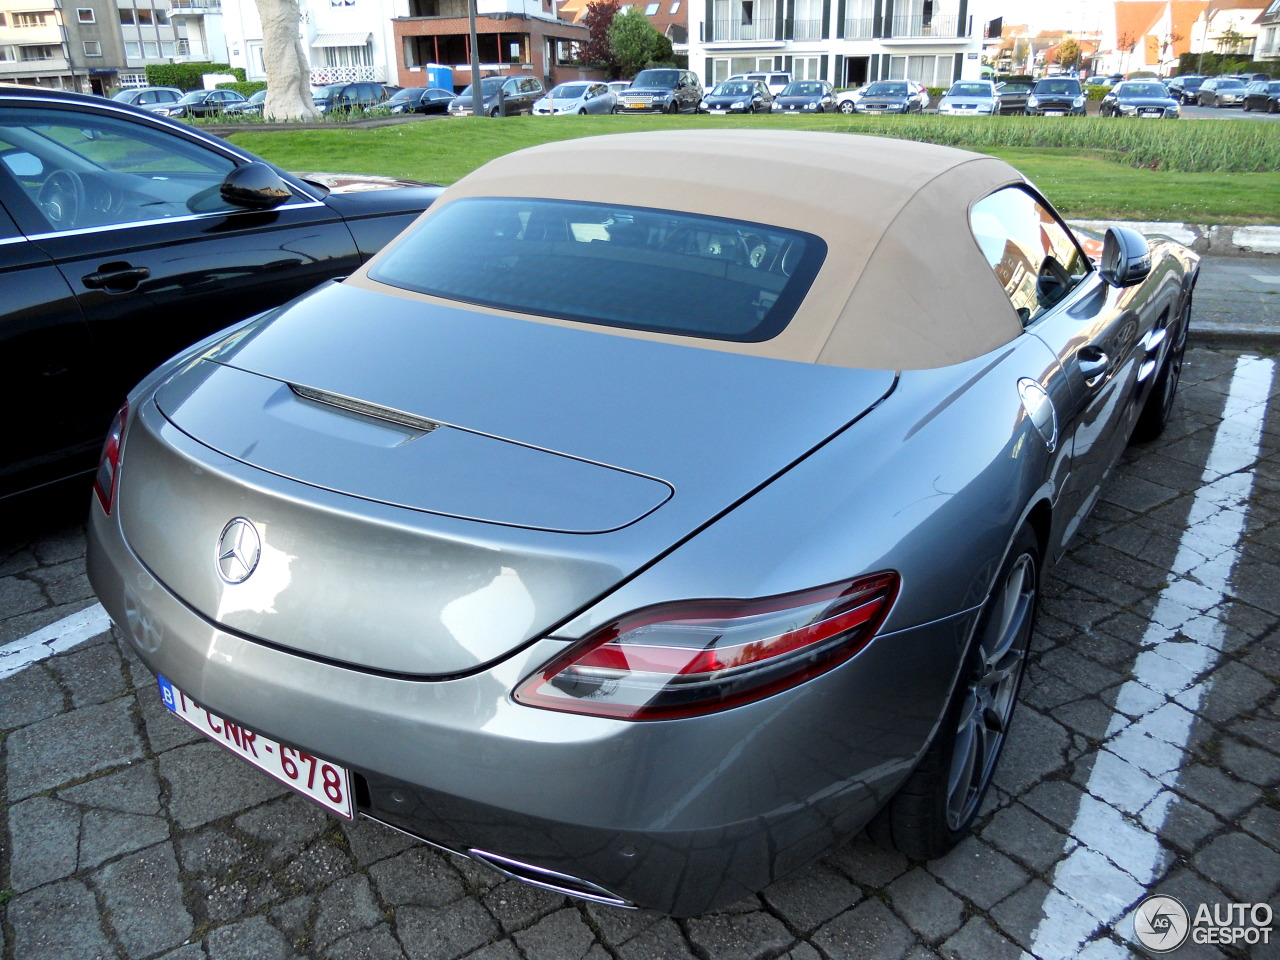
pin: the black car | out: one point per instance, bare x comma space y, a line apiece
125, 237
149, 98
1184, 88
1222, 92
1147, 99
420, 100
805, 96
502, 96
661, 90
253, 106
1013, 96
888, 96
200, 103
1056, 97
345, 97
738, 96
1263, 95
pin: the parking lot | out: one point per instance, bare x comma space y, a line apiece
1145, 758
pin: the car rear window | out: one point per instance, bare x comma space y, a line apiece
619, 266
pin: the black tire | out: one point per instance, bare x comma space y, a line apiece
1159, 406
937, 804
582, 111
674, 108
846, 106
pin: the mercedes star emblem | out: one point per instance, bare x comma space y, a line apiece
239, 549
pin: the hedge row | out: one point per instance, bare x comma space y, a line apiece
246, 88
187, 76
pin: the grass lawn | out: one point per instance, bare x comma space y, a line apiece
1068, 159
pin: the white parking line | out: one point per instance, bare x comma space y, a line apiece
66, 633
1113, 856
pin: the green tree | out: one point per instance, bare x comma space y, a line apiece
635, 44
1068, 53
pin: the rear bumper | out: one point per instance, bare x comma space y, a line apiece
678, 816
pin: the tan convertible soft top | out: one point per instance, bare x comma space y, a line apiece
904, 284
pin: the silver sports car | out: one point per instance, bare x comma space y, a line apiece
655, 513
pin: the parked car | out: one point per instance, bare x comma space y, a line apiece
1013, 96
1139, 98
970, 98
738, 96
888, 96
506, 95
127, 237
616, 87
420, 100
1056, 97
662, 90
200, 103
1221, 92
1184, 88
149, 98
824, 429
579, 97
254, 104
1263, 95
345, 97
775, 80
847, 100
805, 96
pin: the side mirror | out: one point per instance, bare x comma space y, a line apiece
1126, 257
256, 186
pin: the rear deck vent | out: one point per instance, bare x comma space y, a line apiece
360, 407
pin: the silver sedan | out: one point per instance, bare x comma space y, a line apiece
645, 551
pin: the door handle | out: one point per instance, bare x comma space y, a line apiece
115, 277
1093, 365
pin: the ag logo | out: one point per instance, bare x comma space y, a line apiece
1161, 924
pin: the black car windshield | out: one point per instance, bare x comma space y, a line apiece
737, 88
969, 90
1191, 83
569, 91
489, 87
332, 90
805, 88
656, 78
1141, 90
619, 266
886, 90
1058, 86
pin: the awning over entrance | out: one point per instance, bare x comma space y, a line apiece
341, 39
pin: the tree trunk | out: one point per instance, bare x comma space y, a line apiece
288, 74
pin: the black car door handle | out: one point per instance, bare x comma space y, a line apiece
1093, 365
115, 277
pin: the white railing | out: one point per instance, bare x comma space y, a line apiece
323, 75
735, 29
806, 29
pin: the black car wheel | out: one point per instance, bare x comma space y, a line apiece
938, 802
846, 106
674, 108
1156, 411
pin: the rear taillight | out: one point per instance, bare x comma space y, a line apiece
104, 482
699, 656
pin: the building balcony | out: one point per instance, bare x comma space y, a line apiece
193, 8
806, 30
945, 25
859, 28
44, 34
735, 31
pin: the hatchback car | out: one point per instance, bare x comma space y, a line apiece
346, 97
1146, 99
970, 98
1056, 97
888, 96
1263, 95
420, 100
149, 98
1185, 87
737, 96
125, 237
805, 96
577, 97
1013, 96
1222, 92
200, 103
633, 534
500, 96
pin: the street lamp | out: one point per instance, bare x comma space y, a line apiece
477, 99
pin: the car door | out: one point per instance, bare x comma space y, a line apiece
1102, 335
129, 210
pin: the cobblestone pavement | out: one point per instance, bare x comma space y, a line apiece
1145, 758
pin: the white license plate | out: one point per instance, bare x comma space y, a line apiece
1055, 113
1149, 116
875, 111
326, 783
720, 112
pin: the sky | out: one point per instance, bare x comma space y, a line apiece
1079, 15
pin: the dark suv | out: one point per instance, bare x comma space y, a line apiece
1056, 97
661, 90
518, 95
341, 97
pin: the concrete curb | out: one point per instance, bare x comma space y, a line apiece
1220, 241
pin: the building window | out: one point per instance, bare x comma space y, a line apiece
162, 18
133, 49
144, 16
675, 8
37, 53
2, 20
92, 48
651, 9
85, 15
184, 48
126, 15
28, 19
167, 48
150, 49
